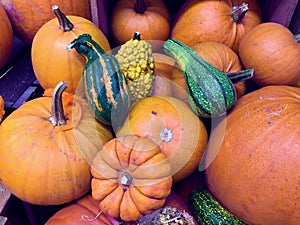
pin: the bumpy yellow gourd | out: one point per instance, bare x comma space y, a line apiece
137, 65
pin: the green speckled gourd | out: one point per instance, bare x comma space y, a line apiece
137, 65
104, 84
208, 211
210, 91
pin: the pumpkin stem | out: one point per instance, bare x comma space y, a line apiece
297, 37
64, 23
238, 12
166, 135
140, 6
58, 118
126, 179
240, 75
136, 36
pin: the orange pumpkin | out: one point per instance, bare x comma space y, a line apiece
256, 172
131, 177
51, 61
7, 37
2, 111
46, 149
171, 123
273, 52
215, 21
219, 55
149, 17
28, 16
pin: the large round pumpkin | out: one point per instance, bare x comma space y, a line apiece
2, 110
149, 17
171, 123
28, 16
220, 56
46, 150
256, 172
7, 37
273, 51
51, 61
131, 177
215, 21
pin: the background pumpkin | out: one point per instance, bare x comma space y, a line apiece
220, 56
273, 52
2, 111
28, 16
131, 177
149, 17
171, 123
47, 164
255, 174
51, 61
210, 21
7, 37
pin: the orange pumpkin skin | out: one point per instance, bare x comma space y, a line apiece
2, 110
255, 174
148, 186
217, 54
273, 52
181, 135
52, 62
210, 21
45, 164
28, 16
7, 37
82, 212
153, 24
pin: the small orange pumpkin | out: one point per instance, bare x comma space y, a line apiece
27, 17
273, 52
131, 177
51, 61
149, 17
171, 123
7, 37
2, 111
47, 145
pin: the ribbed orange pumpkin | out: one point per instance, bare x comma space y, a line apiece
46, 149
28, 16
51, 61
219, 55
149, 17
2, 111
256, 173
211, 21
273, 52
7, 37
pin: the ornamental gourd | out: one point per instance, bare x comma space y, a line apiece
27, 17
273, 51
255, 174
131, 177
51, 61
7, 37
215, 21
47, 146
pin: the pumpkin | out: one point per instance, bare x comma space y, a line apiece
27, 17
219, 55
273, 51
131, 177
255, 173
47, 145
215, 21
150, 18
7, 37
51, 61
2, 110
171, 123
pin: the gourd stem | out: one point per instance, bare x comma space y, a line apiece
140, 6
238, 12
166, 135
136, 36
297, 37
58, 118
240, 75
64, 23
126, 179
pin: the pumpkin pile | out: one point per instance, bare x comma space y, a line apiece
189, 120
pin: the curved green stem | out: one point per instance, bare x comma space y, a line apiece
238, 12
64, 23
240, 75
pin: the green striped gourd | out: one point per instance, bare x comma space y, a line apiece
210, 91
104, 84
